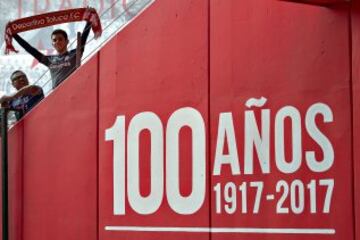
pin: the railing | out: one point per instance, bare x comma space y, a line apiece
111, 26
111, 23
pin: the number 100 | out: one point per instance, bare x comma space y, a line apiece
184, 117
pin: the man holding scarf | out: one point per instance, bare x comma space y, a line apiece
63, 63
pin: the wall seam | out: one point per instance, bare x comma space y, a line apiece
209, 112
352, 116
351, 92
97, 145
22, 181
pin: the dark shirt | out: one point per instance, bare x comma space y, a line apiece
25, 103
60, 66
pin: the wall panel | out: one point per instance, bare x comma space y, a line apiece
158, 64
296, 57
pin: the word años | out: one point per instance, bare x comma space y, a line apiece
260, 140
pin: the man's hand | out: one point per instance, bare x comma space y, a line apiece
5, 105
88, 12
5, 99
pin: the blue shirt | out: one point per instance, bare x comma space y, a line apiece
25, 103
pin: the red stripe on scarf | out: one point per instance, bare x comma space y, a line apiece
50, 19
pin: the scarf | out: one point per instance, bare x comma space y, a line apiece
49, 19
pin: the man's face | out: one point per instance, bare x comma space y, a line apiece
20, 82
59, 43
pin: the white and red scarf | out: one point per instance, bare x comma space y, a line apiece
49, 19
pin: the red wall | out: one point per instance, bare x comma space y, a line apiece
203, 59
59, 165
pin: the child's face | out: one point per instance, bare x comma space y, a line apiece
59, 43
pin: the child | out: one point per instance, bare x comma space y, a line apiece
62, 64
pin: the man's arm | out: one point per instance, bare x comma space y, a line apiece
32, 90
31, 50
27, 90
85, 35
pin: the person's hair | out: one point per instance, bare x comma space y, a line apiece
16, 74
60, 31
